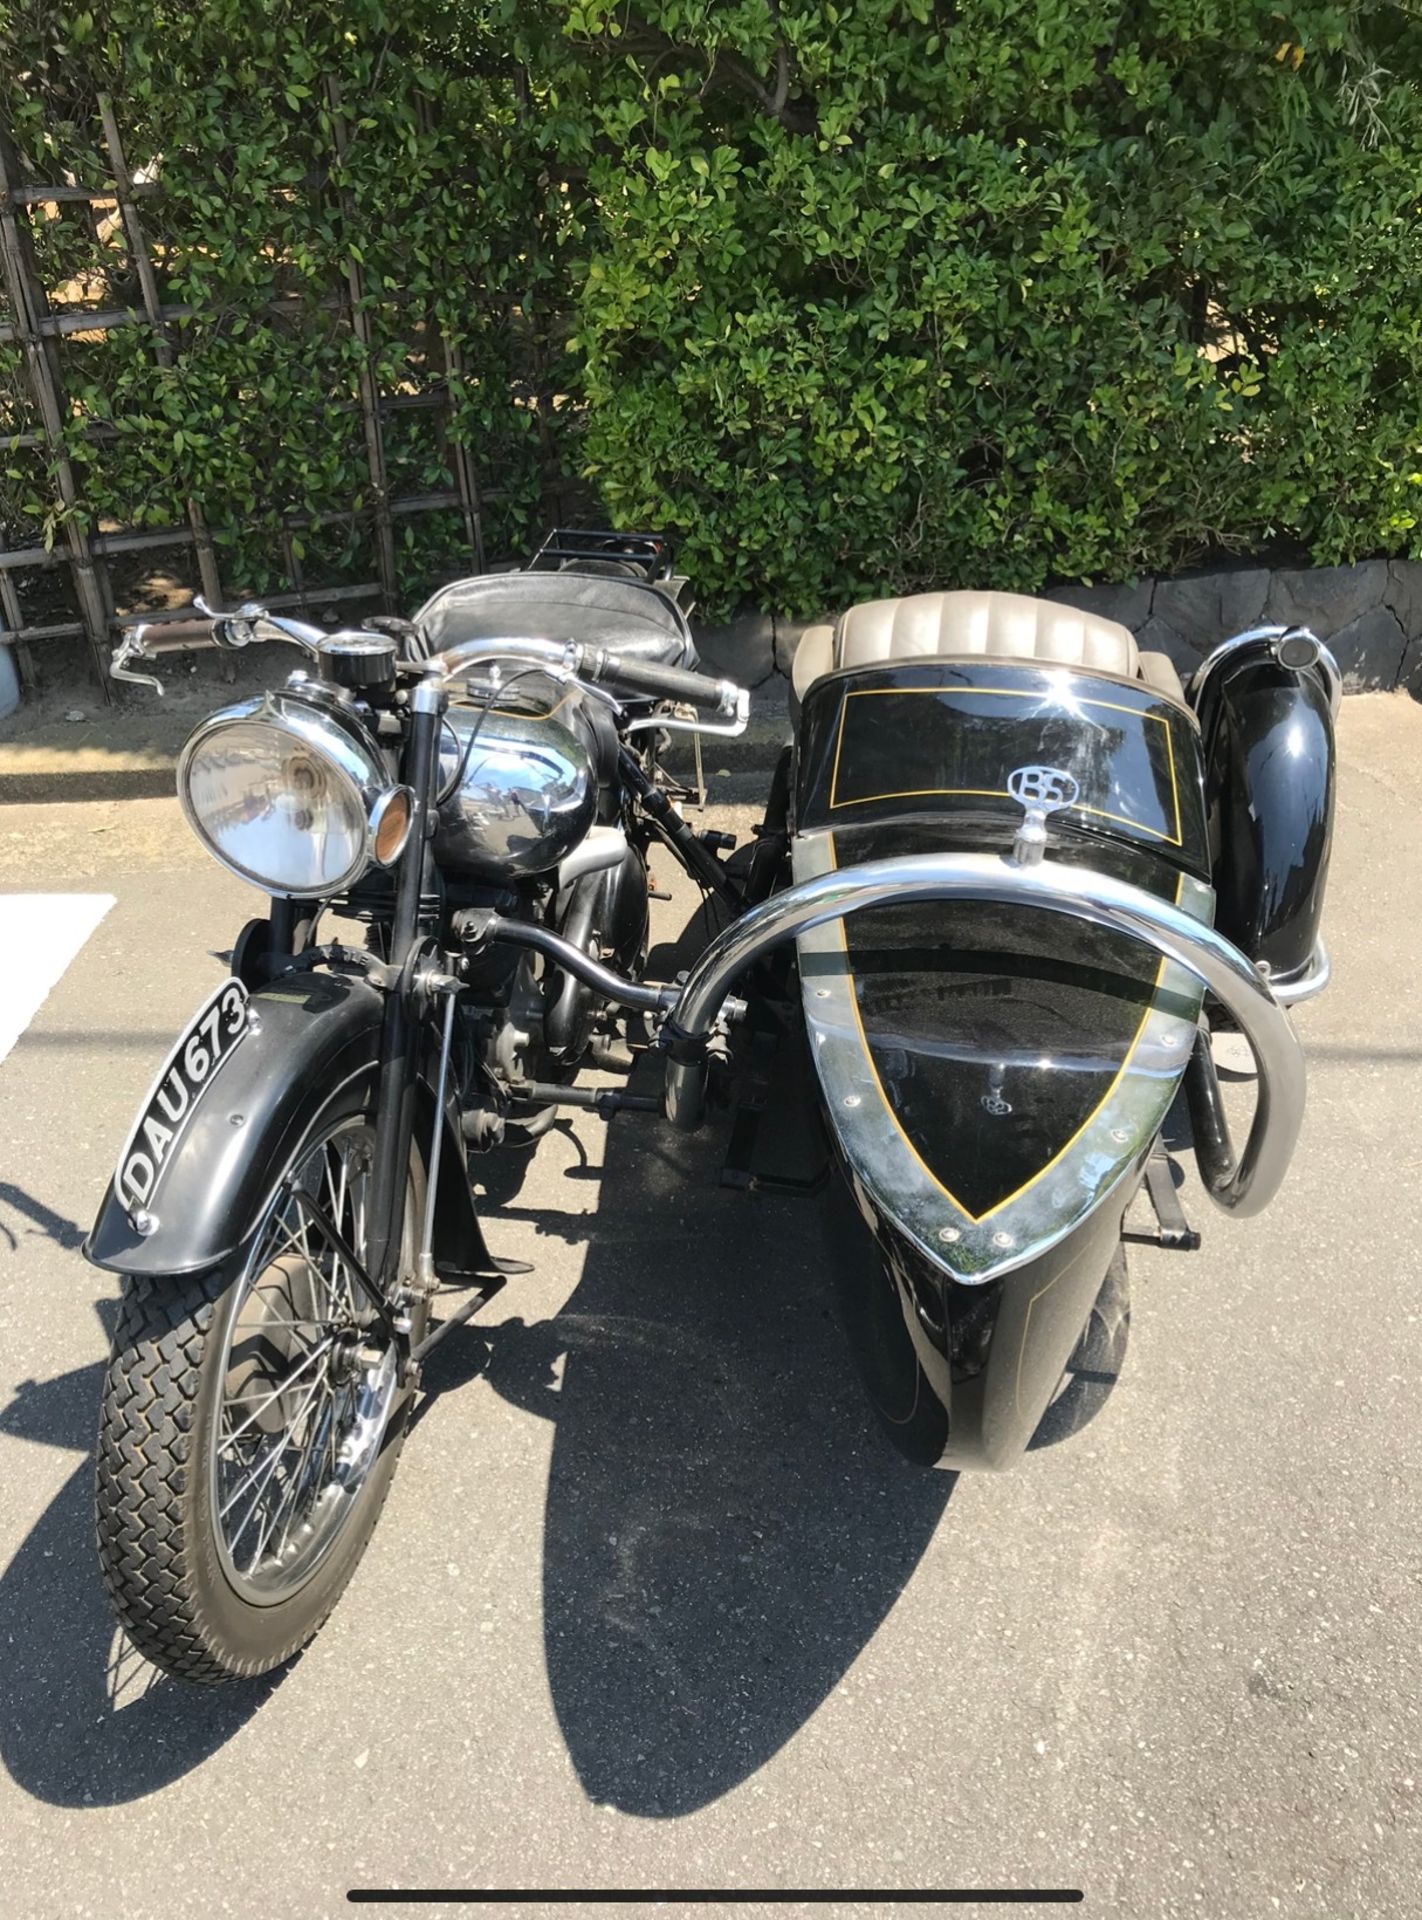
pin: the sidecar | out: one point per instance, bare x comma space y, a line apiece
996, 1058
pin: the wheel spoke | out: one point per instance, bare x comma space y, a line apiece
263, 1473
292, 1488
277, 1392
297, 1442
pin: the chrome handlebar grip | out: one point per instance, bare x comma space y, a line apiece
1076, 893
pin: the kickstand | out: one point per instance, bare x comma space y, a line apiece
1173, 1230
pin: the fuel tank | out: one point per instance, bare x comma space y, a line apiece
993, 1083
518, 792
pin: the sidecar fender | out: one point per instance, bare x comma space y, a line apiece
313, 1037
1269, 755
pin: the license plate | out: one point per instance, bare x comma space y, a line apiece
210, 1037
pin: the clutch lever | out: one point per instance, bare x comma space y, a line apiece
132, 647
229, 630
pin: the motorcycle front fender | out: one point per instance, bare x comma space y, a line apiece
313, 1037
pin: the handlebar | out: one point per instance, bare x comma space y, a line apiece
601, 665
666, 683
251, 624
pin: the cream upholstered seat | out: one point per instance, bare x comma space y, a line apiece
1002, 626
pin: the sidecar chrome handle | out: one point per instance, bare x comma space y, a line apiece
1074, 892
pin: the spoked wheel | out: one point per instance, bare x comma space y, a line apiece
251, 1422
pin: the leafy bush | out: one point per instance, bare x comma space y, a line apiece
852, 294
888, 292
441, 198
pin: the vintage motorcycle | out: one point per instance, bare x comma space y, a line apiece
1010, 877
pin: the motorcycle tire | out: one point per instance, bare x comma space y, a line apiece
172, 1571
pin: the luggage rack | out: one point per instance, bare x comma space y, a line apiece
649, 554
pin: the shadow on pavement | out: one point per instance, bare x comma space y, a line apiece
725, 1527
83, 1721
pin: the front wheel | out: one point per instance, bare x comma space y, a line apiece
251, 1421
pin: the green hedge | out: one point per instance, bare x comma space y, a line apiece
985, 294
851, 296
442, 198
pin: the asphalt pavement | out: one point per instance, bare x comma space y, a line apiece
653, 1606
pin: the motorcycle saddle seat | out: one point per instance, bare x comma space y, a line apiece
621, 614
966, 625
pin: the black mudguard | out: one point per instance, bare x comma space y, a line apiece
962, 1376
315, 1035
1269, 797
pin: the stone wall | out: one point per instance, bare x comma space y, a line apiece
1369, 614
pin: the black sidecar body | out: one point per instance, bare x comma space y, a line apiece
995, 1078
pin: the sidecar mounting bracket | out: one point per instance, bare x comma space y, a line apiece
1173, 1231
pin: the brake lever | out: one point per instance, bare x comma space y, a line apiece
131, 647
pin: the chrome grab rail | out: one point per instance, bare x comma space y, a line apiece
1074, 892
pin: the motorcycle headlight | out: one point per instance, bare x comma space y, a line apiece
291, 798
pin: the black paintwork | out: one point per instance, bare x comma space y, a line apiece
1270, 792
316, 1033
940, 737
962, 1376
994, 1039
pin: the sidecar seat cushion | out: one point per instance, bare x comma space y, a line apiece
955, 626
1158, 670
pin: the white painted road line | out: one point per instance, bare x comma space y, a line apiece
40, 933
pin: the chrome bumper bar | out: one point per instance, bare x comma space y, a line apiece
1074, 892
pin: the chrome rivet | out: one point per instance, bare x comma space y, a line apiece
949, 1235
237, 1119
1003, 1240
144, 1222
822, 993
1120, 1136
852, 1100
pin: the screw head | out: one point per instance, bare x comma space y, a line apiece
1003, 1240
144, 1222
852, 1100
949, 1235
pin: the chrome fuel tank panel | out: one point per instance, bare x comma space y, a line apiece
517, 800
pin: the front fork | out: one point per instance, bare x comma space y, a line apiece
399, 1039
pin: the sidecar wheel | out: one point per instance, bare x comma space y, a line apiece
251, 1422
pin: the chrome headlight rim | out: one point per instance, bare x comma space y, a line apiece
339, 741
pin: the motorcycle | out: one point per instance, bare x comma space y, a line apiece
1012, 877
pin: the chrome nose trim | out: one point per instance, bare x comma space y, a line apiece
1074, 892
